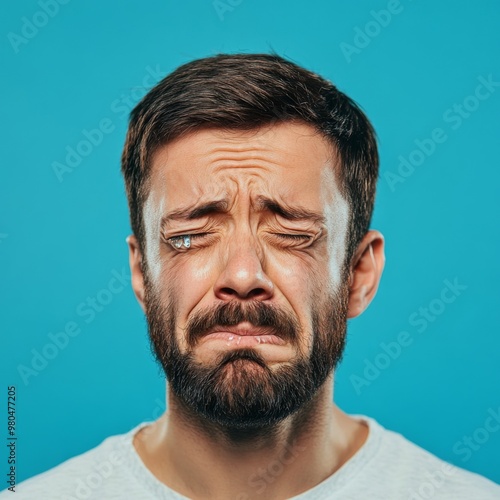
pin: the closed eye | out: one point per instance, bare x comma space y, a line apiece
298, 237
178, 241
184, 240
191, 235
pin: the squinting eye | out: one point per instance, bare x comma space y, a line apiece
297, 237
183, 240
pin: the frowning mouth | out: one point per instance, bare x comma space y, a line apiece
243, 334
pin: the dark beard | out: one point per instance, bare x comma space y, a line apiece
240, 391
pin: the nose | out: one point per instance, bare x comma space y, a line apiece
243, 276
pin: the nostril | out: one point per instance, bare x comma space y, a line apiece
252, 294
256, 292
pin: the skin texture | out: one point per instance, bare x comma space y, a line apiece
242, 261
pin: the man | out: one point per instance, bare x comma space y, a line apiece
251, 185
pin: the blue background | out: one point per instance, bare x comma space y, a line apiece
61, 239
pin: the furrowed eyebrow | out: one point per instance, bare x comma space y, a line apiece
288, 212
195, 212
263, 204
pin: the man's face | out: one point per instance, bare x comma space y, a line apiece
266, 256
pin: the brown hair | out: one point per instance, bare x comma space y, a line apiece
246, 91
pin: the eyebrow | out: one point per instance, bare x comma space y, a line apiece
263, 203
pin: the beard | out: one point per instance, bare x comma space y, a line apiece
239, 390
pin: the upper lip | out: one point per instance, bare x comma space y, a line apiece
242, 329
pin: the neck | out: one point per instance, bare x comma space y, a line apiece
199, 459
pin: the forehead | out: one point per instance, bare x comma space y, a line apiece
291, 161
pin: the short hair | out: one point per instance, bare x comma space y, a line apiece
245, 92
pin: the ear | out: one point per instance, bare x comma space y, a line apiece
366, 271
135, 261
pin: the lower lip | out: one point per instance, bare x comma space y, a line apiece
232, 339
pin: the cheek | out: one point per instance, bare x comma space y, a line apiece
189, 278
291, 274
336, 248
300, 278
336, 210
297, 278
334, 269
151, 215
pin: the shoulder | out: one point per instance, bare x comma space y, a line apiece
418, 474
101, 470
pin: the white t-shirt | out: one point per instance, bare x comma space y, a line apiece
386, 467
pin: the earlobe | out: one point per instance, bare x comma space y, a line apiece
135, 262
367, 266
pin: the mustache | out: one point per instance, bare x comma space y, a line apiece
231, 313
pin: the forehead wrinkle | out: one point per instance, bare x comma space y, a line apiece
253, 148
242, 147
223, 158
256, 149
258, 167
249, 171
